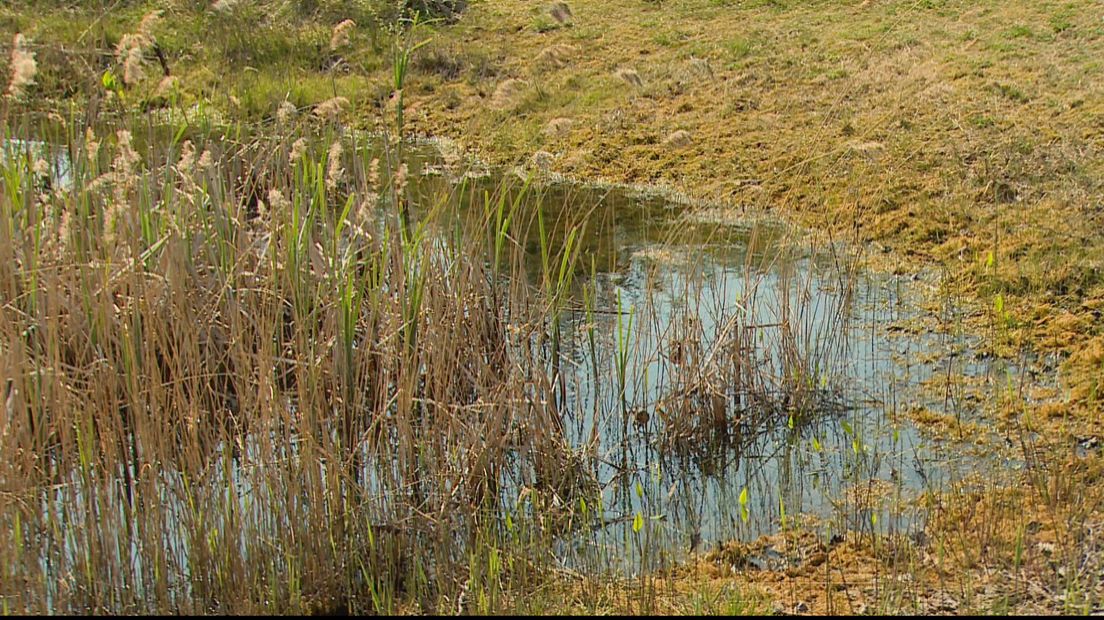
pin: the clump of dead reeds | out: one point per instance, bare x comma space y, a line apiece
241, 381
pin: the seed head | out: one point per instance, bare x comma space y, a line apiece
340, 36
166, 86
126, 158
187, 156
373, 173
285, 112
400, 179
91, 144
131, 50
23, 67
276, 201
297, 149
145, 27
334, 171
331, 109
132, 65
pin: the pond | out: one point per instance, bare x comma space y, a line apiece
730, 376
715, 376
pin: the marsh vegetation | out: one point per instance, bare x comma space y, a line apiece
266, 347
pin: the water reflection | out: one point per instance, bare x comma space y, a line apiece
723, 381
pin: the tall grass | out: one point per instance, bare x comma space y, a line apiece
263, 374
231, 387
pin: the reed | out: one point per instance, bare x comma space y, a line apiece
275, 378
231, 386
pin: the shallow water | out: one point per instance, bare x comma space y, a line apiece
57, 169
849, 458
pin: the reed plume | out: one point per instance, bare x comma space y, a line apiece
331, 109
334, 170
131, 49
340, 36
23, 67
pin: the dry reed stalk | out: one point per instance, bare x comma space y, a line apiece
195, 353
